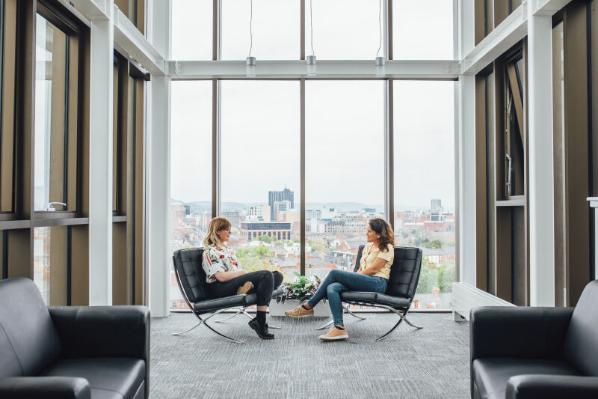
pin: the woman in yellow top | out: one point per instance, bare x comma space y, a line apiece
372, 276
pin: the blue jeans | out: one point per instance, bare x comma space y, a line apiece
338, 281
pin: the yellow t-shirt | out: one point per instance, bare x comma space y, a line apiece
371, 252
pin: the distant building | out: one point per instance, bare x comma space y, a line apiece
436, 210
234, 217
277, 230
258, 213
279, 196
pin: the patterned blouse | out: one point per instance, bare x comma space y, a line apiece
372, 252
217, 259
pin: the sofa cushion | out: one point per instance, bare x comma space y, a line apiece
491, 374
581, 341
108, 377
28, 340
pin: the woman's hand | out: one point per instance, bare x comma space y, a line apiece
374, 267
227, 276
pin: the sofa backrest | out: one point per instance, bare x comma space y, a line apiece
581, 341
28, 340
192, 278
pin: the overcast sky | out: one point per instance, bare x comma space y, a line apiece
344, 119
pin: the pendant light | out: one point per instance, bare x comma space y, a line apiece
310, 60
380, 60
250, 61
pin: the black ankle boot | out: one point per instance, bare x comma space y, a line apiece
261, 329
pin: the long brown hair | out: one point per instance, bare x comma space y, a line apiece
217, 224
384, 230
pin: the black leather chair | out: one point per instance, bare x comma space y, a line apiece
70, 352
404, 276
524, 353
191, 279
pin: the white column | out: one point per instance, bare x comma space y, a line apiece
100, 160
465, 149
466, 179
158, 123
541, 179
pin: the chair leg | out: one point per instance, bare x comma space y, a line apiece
411, 324
349, 311
186, 331
236, 341
204, 322
229, 317
380, 338
323, 326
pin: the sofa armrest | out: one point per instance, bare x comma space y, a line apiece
44, 388
552, 387
518, 331
101, 331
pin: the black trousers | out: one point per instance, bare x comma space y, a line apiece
264, 282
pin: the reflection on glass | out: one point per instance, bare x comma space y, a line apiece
260, 172
425, 185
423, 30
50, 115
275, 29
50, 263
343, 29
344, 173
191, 30
190, 169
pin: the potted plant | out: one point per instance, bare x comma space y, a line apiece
297, 291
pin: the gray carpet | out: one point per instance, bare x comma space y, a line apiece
429, 363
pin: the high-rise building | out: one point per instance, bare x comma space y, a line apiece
436, 210
280, 196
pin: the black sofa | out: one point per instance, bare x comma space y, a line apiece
526, 353
70, 352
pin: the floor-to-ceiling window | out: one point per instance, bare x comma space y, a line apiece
260, 172
336, 137
424, 183
190, 168
344, 169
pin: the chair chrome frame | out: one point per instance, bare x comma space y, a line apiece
399, 311
243, 311
347, 310
200, 320
402, 313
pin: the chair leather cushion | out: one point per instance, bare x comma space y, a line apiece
212, 305
108, 377
581, 341
28, 340
375, 298
187, 263
491, 374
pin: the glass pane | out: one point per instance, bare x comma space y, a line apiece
276, 29
260, 172
190, 169
50, 263
424, 134
344, 173
191, 30
50, 116
343, 29
423, 29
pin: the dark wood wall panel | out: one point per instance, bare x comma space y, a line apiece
576, 149
80, 265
